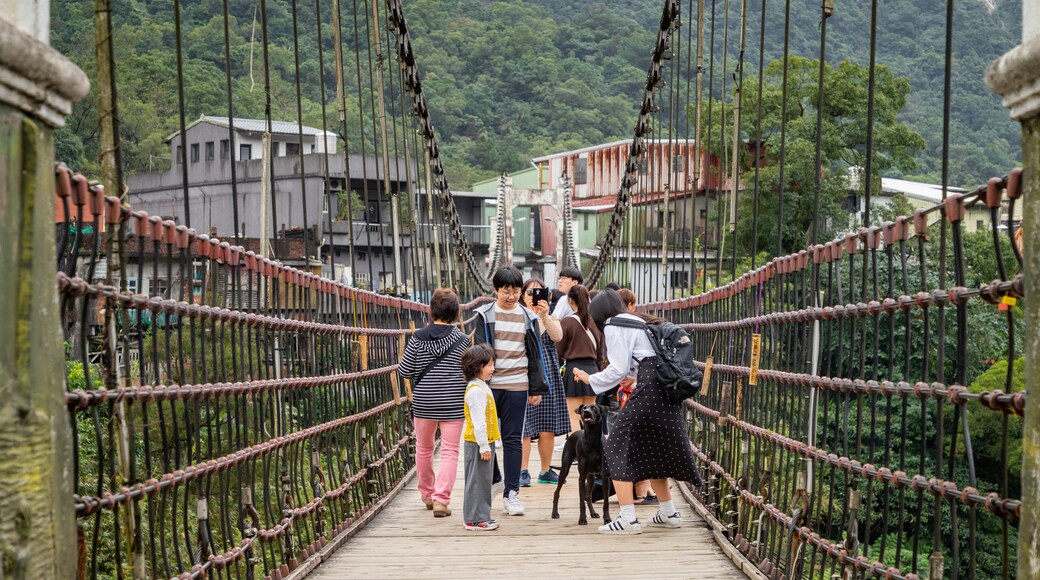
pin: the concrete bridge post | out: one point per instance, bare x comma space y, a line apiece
37, 89
1016, 76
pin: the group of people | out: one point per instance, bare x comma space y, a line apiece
504, 382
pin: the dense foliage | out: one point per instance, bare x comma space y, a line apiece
513, 79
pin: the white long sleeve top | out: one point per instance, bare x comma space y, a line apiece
625, 348
476, 400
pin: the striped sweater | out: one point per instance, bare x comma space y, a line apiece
441, 394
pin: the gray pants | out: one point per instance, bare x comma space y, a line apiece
476, 500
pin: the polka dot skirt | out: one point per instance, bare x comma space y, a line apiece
648, 439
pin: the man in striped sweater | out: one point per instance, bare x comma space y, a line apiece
519, 377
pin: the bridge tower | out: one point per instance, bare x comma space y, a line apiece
1016, 76
37, 89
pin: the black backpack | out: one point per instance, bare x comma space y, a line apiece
678, 378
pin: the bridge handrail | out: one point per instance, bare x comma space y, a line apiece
875, 456
229, 377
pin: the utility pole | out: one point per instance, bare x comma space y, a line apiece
1016, 76
38, 529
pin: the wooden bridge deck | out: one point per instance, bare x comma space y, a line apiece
406, 541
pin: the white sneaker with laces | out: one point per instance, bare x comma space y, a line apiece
672, 521
621, 526
511, 504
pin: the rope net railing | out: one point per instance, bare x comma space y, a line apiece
233, 417
848, 425
861, 412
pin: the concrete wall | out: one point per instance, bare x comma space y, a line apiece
206, 132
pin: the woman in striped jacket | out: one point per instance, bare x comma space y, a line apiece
432, 361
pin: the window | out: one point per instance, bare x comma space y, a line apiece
225, 148
277, 148
209, 151
581, 171
194, 152
677, 163
979, 224
292, 148
585, 222
312, 147
641, 165
362, 280
180, 154
660, 219
245, 152
325, 203
680, 279
159, 287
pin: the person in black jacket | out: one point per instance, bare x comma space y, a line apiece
520, 376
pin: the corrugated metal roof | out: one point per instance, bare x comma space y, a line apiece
606, 146
256, 126
928, 192
260, 125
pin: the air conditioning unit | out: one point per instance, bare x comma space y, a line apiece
337, 183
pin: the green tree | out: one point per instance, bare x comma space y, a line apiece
843, 144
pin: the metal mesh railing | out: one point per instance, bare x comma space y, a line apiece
232, 415
876, 432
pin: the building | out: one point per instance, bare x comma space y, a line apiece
679, 226
311, 193
209, 138
919, 195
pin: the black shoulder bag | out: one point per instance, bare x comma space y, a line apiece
433, 363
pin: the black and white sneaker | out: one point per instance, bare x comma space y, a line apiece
621, 526
672, 521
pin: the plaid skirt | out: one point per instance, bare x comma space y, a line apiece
549, 416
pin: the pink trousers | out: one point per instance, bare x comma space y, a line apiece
437, 486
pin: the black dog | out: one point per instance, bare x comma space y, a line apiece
587, 446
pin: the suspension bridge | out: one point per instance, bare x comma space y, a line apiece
240, 416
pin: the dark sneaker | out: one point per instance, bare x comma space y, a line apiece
549, 477
525, 478
482, 526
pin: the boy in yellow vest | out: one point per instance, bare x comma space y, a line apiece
481, 430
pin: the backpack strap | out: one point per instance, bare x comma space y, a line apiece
636, 324
625, 323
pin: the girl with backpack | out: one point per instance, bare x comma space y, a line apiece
648, 441
578, 349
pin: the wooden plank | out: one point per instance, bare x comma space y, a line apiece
406, 541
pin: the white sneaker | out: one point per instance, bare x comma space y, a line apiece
511, 504
672, 521
621, 526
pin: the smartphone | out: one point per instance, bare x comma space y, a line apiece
539, 294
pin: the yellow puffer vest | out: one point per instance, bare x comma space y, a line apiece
490, 416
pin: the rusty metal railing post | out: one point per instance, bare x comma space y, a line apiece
37, 89
1016, 76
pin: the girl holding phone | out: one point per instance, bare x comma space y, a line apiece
545, 421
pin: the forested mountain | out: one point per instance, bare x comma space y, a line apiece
517, 78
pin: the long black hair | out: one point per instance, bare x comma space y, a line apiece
580, 295
607, 304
